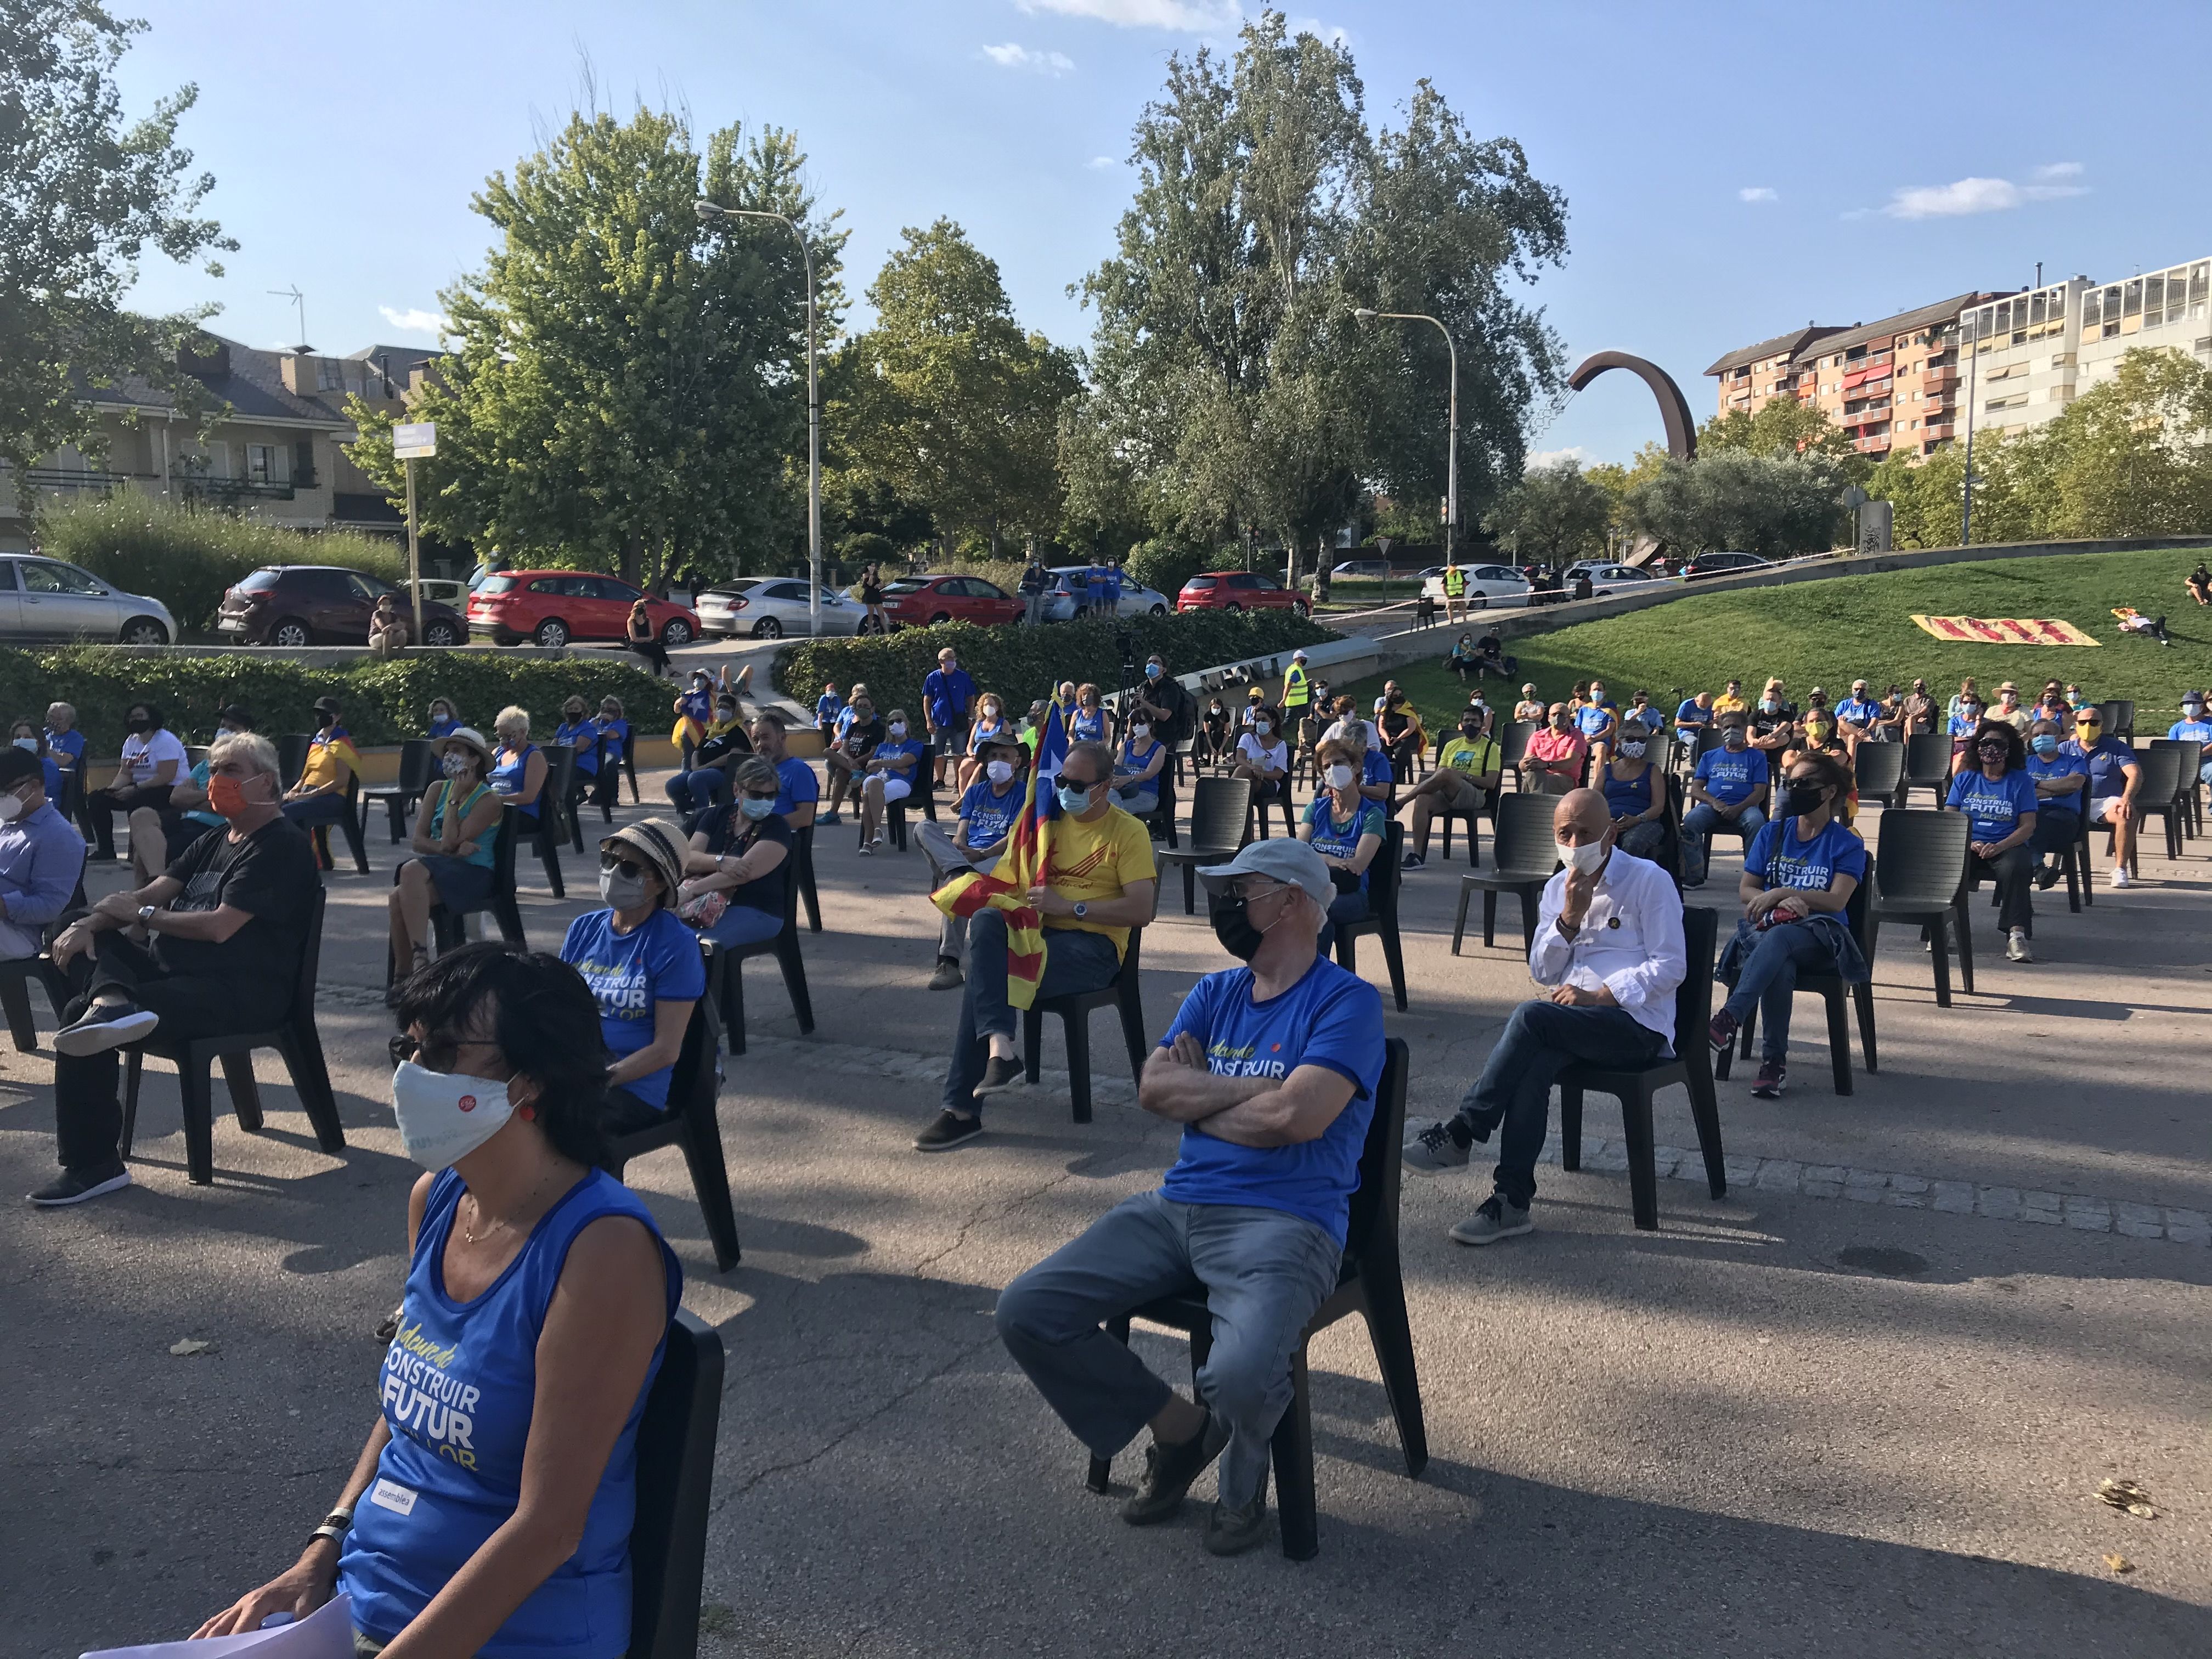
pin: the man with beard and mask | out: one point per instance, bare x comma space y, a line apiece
642, 965
224, 929
1271, 1070
1609, 947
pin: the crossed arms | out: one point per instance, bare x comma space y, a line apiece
1250, 1111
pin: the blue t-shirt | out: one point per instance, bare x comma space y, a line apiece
1593, 718
999, 731
68, 747
199, 777
1087, 726
440, 726
617, 736
657, 961
845, 716
1629, 798
990, 815
949, 696
2058, 766
1960, 726
1858, 711
1330, 1018
912, 745
2103, 764
508, 777
1730, 777
1375, 767
827, 708
1780, 859
796, 784
587, 758
1689, 714
1995, 806
1339, 838
1131, 763
457, 1388
2191, 730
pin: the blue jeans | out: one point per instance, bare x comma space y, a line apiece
697, 791
1768, 982
2056, 830
1074, 960
1699, 822
307, 810
1540, 1041
744, 924
1344, 906
1265, 1273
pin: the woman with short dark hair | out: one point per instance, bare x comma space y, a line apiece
1346, 829
1993, 787
153, 762
1636, 793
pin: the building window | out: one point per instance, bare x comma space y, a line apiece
2035, 312
2057, 304
2092, 309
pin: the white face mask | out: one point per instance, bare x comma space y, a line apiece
1340, 776
1585, 858
1138, 733
1262, 727
445, 1115
898, 729
1632, 748
11, 808
1000, 772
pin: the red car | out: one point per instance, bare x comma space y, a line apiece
1238, 590
918, 601
552, 607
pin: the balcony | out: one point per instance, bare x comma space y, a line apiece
231, 492
83, 479
1872, 446
1933, 430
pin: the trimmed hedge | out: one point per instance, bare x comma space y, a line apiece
1024, 664
384, 701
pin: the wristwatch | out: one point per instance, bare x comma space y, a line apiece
1082, 909
336, 1525
146, 915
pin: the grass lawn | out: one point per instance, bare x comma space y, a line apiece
1828, 633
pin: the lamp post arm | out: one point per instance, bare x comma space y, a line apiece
1451, 457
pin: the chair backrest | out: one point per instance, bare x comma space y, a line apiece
2161, 774
310, 959
194, 754
1878, 768
503, 853
1927, 756
1693, 997
1372, 1232
418, 764
2192, 760
1922, 860
1709, 738
292, 755
676, 1437
2119, 717
1384, 874
695, 1061
1515, 743
1218, 807
1525, 846
553, 799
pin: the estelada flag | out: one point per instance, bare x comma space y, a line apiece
2005, 630
1021, 867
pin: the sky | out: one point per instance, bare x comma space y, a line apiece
1731, 171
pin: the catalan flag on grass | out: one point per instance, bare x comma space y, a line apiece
1020, 868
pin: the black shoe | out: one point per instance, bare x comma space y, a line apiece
948, 975
1232, 1531
2045, 877
1169, 1471
1000, 1075
950, 1130
75, 1185
104, 1026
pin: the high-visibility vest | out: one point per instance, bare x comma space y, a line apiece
1295, 694
1454, 581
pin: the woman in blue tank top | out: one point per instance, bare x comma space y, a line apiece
1636, 793
519, 771
538, 1297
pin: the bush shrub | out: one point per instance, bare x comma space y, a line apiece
1164, 565
1024, 664
188, 556
384, 701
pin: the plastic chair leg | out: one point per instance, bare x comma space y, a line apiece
351, 826
1132, 1010
1570, 1127
1489, 917
1295, 1506
733, 1003
1032, 1046
1642, 1168
302, 1053
1099, 1478
794, 981
1391, 1330
1705, 1112
1529, 903
1190, 887
710, 1179
1939, 933
1862, 999
1459, 923
1075, 1033
194, 1086
245, 1092
134, 1062
1966, 949
1394, 956
16, 998
549, 854
1839, 1039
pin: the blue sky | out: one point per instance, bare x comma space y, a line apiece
1731, 170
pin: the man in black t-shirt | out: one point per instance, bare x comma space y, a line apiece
224, 927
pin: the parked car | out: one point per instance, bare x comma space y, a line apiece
769, 607
552, 607
296, 605
1370, 570
1724, 564
45, 601
1061, 599
1488, 585
438, 590
921, 601
1238, 590
1428, 571
1603, 571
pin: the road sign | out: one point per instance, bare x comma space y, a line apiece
1853, 498
415, 440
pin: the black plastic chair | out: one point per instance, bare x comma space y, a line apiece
348, 826
1369, 1284
676, 1434
418, 769
690, 1123
2192, 762
1220, 822
17, 974
446, 923
1920, 876
1381, 918
726, 979
551, 832
1513, 747
1276, 791
802, 865
1123, 992
1878, 772
2119, 719
1524, 855
295, 1037
1160, 822
1691, 1066
291, 757
924, 792
2158, 795
1831, 990
1927, 766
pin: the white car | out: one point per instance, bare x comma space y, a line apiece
1137, 600
1487, 584
44, 601
772, 607
1602, 573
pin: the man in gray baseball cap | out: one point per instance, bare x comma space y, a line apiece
1271, 1069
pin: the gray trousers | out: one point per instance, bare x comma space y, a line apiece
946, 861
1265, 1274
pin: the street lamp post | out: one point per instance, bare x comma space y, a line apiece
1451, 459
1969, 327
712, 213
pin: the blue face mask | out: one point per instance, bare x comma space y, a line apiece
2044, 744
755, 810
1153, 670
1073, 799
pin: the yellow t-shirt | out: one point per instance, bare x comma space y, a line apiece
1725, 704
1476, 759
324, 764
1095, 861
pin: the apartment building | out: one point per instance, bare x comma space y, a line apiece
1890, 384
275, 451
1750, 377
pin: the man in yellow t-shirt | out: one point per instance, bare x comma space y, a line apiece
1732, 701
1468, 769
1100, 881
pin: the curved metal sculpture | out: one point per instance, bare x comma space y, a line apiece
1674, 408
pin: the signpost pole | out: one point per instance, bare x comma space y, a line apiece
414, 554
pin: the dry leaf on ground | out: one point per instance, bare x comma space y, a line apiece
2127, 1495
2120, 1563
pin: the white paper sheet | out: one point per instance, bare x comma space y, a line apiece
325, 1634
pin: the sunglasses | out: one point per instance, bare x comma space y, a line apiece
629, 867
440, 1054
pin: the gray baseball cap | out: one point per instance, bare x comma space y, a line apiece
1293, 863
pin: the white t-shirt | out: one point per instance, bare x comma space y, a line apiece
1342, 730
143, 755
1270, 753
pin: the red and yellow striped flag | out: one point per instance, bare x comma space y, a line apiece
1021, 867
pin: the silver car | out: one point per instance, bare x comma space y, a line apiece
45, 601
1137, 600
771, 607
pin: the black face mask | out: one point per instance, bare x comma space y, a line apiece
1800, 799
1232, 926
325, 718
137, 723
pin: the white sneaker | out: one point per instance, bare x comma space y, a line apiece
2016, 947
2120, 878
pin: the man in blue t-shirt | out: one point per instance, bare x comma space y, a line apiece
797, 790
1858, 716
1994, 788
2193, 727
2059, 782
1692, 716
1271, 1069
948, 696
827, 708
987, 815
1727, 791
2114, 776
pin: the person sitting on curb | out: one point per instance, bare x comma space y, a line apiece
388, 629
986, 815
1798, 876
1728, 787
2114, 774
1999, 796
1467, 780
1099, 881
2059, 782
1610, 948
891, 773
1271, 1069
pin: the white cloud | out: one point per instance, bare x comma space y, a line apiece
1544, 458
414, 320
1975, 195
2059, 170
1190, 16
1014, 56
1758, 193
1100, 163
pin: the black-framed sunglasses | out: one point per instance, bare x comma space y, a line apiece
756, 794
440, 1054
627, 866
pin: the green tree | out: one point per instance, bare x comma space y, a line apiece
2132, 456
629, 387
83, 195
954, 408
1553, 516
1776, 506
1782, 425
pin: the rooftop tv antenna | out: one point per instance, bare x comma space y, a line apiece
299, 300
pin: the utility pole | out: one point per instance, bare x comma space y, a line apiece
1966, 511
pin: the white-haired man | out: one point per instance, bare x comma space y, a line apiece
222, 927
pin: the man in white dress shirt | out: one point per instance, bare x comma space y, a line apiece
1609, 946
